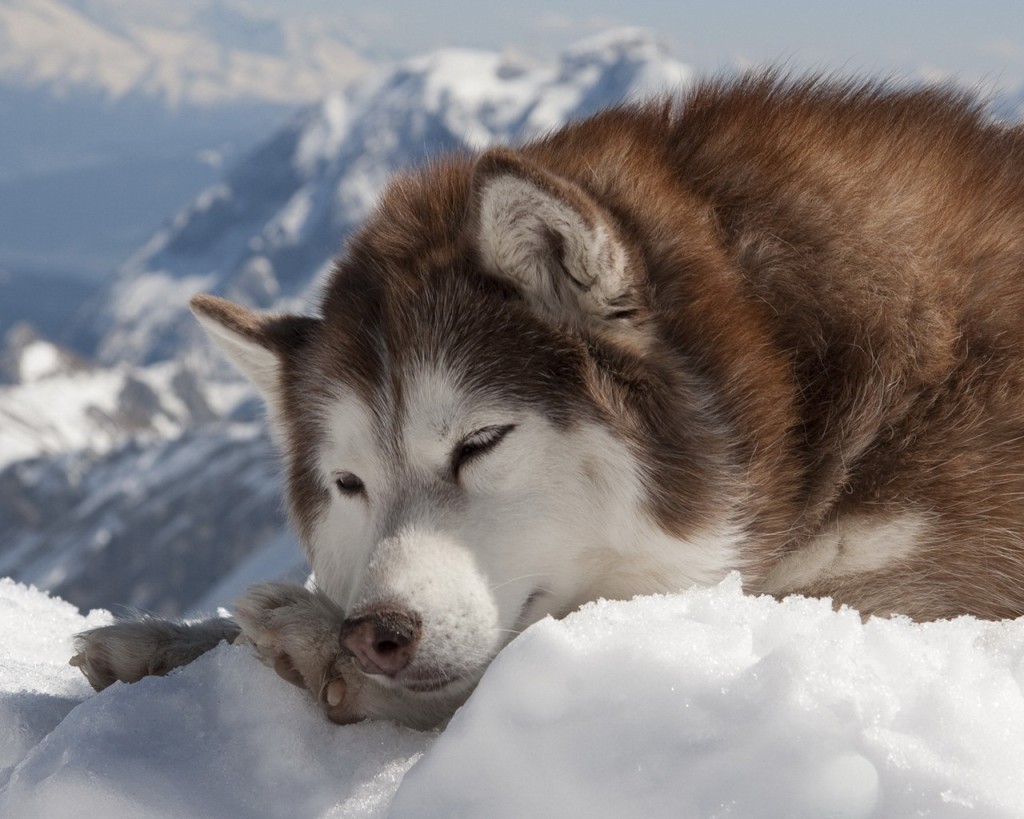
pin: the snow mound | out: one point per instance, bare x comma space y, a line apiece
37, 686
715, 704
704, 704
223, 737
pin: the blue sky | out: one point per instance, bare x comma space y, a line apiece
974, 41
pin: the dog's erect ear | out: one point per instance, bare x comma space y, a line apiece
256, 342
551, 239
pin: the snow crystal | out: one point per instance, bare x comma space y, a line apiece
707, 703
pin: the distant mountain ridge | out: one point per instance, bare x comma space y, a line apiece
116, 113
196, 52
264, 235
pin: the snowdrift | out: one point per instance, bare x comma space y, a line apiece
703, 704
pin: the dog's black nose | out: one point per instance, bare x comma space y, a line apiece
382, 641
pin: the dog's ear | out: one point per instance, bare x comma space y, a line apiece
550, 238
257, 343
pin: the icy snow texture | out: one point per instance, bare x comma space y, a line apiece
37, 686
704, 704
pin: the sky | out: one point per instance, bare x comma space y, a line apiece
981, 41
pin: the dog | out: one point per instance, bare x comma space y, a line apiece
769, 326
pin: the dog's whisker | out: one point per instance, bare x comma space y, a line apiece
512, 580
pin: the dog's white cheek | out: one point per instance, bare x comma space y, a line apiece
341, 548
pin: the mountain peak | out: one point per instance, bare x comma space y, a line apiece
615, 42
272, 226
26, 357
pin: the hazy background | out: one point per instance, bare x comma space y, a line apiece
963, 39
83, 113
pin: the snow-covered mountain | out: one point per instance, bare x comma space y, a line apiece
128, 486
264, 234
198, 52
151, 524
25, 357
115, 114
145, 480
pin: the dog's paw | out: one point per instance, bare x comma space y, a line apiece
296, 632
129, 650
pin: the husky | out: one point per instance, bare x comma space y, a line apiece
769, 326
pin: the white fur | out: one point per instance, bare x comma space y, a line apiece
258, 363
848, 547
339, 552
543, 522
516, 218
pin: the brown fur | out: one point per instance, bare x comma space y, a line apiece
813, 329
823, 320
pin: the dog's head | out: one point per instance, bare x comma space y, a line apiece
462, 454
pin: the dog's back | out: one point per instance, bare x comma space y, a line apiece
844, 266
770, 327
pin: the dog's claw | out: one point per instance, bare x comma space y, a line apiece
335, 692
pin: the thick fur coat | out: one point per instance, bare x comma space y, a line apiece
768, 326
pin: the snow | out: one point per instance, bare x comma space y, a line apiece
51, 415
55, 411
38, 360
324, 136
714, 704
706, 703
286, 227
151, 290
37, 686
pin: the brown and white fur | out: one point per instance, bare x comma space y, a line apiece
770, 327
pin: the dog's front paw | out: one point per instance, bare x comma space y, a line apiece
296, 632
129, 650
